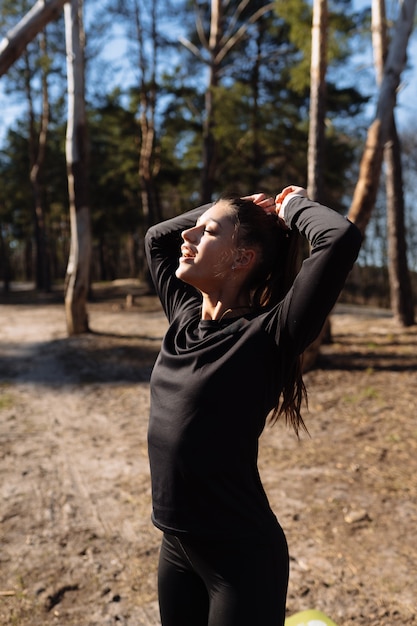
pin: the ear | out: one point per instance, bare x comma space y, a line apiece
245, 258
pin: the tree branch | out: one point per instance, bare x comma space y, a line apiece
232, 41
16, 40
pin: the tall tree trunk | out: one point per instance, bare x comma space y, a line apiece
37, 150
370, 168
78, 270
148, 94
209, 144
5, 274
256, 146
399, 276
16, 40
317, 100
315, 165
11, 48
217, 47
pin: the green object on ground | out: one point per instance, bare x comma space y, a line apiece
309, 618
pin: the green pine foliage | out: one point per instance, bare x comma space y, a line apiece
260, 126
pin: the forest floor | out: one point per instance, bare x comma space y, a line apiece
77, 547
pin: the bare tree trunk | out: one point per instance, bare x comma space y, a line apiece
317, 100
148, 94
318, 68
37, 150
216, 47
78, 270
399, 276
254, 174
370, 168
16, 40
5, 274
209, 144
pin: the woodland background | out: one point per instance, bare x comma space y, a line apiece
151, 89
179, 108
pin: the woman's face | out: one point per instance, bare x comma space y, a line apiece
209, 250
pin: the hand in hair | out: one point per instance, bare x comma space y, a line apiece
262, 200
282, 198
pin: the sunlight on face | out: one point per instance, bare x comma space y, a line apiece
208, 249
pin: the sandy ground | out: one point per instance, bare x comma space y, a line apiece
76, 543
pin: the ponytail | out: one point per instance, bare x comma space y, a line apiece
279, 262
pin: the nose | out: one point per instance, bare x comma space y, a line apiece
189, 234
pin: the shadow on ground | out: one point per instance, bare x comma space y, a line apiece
86, 359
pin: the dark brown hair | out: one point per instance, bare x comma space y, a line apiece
279, 254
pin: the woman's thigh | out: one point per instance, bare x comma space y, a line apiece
249, 585
183, 597
246, 581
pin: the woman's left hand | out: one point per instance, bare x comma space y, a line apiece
262, 200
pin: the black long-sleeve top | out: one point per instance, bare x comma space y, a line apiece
215, 381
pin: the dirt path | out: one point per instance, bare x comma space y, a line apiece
77, 546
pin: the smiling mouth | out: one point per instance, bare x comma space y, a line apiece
186, 253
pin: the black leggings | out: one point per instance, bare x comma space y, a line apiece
230, 583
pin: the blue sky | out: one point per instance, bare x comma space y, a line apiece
10, 107
407, 96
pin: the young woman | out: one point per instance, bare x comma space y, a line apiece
239, 319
